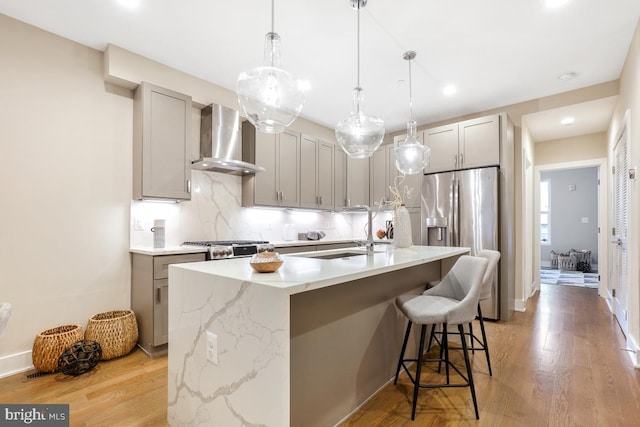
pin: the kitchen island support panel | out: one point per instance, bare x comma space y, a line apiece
345, 342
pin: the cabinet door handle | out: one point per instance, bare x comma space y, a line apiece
320, 200
189, 186
461, 160
455, 160
158, 296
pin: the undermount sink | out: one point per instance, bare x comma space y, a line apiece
336, 255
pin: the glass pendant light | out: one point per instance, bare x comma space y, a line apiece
411, 155
269, 96
359, 135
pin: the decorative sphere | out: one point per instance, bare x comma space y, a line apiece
80, 357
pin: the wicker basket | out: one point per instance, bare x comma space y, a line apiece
116, 332
50, 344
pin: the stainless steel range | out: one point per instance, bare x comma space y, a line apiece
224, 249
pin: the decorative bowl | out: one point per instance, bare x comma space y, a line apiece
266, 262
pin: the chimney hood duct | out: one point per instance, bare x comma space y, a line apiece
221, 143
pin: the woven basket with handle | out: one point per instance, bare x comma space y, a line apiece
116, 331
48, 346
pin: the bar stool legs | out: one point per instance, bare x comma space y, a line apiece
484, 345
476, 344
420, 360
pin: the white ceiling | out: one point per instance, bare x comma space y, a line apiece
496, 52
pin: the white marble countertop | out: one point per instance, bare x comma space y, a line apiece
301, 272
169, 250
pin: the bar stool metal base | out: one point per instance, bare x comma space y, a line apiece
444, 351
476, 344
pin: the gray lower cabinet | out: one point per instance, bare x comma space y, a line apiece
150, 297
161, 132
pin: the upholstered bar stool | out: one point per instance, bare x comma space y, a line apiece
485, 294
452, 302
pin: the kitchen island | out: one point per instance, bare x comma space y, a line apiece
305, 345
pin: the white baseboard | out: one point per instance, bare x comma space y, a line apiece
520, 306
15, 363
632, 350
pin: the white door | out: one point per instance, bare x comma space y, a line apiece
620, 292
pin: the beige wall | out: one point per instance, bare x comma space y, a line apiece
65, 166
585, 147
629, 99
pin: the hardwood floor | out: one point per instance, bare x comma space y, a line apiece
128, 391
561, 363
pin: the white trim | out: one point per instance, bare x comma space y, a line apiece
603, 223
520, 306
632, 350
15, 363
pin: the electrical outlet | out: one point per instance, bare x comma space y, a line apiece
137, 225
212, 348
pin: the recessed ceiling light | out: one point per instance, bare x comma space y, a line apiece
568, 76
552, 4
449, 90
304, 85
567, 121
131, 4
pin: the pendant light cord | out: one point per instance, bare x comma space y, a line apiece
358, 47
410, 94
273, 16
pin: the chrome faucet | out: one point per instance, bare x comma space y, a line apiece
369, 242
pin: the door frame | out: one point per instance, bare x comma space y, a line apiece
614, 305
603, 223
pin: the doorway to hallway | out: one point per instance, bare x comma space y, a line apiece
570, 217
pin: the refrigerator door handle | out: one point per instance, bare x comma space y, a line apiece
455, 213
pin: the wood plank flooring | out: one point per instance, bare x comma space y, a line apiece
561, 363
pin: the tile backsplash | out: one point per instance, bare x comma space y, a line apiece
215, 213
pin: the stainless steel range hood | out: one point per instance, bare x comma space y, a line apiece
221, 143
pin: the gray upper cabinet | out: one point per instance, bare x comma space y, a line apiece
357, 182
351, 180
443, 142
326, 174
161, 132
340, 179
480, 142
279, 154
379, 176
316, 173
468, 144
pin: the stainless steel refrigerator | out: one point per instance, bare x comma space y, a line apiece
461, 208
